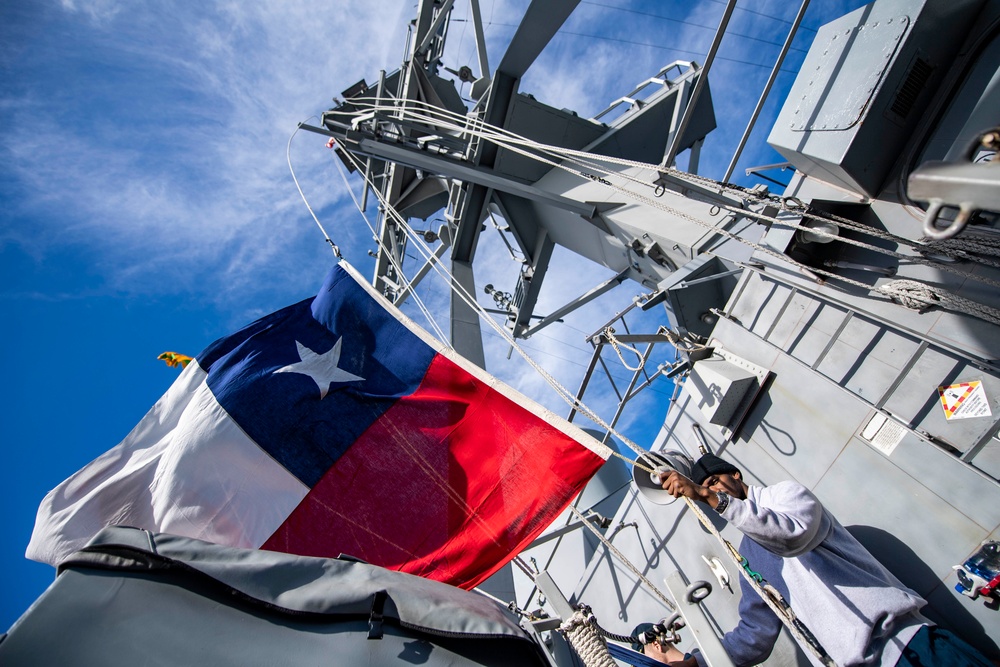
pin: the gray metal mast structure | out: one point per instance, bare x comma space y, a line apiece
420, 169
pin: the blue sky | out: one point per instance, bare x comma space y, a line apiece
147, 204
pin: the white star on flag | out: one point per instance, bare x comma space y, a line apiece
322, 368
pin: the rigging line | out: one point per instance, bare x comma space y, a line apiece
583, 158
660, 47
916, 259
418, 241
470, 301
840, 221
673, 20
767, 16
625, 561
491, 133
392, 259
288, 158
468, 124
552, 354
593, 164
575, 363
416, 299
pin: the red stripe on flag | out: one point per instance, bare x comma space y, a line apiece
450, 484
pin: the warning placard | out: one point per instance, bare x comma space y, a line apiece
964, 400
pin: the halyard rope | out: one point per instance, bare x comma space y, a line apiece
474, 126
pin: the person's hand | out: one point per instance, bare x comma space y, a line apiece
678, 485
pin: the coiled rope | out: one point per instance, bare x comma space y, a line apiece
919, 296
581, 631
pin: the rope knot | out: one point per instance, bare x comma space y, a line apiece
617, 346
911, 294
582, 616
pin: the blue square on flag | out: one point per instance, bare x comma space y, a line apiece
333, 426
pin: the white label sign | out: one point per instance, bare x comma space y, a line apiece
883, 433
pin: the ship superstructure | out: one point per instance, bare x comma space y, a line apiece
841, 333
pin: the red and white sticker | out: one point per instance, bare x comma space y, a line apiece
964, 400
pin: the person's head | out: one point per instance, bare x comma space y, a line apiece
638, 632
653, 649
719, 475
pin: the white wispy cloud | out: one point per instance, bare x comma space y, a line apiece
161, 150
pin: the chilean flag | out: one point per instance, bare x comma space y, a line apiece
334, 426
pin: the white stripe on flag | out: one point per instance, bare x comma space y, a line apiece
187, 469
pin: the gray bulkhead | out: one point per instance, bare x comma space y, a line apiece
850, 405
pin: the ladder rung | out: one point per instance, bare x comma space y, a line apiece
833, 339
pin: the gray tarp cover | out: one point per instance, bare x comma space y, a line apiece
153, 587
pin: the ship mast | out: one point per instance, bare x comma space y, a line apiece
419, 146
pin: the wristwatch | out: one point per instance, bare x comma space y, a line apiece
723, 501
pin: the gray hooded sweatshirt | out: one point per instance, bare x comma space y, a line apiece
859, 612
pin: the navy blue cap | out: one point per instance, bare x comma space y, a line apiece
709, 465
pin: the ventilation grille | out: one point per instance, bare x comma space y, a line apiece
906, 96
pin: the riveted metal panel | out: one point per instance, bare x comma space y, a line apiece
872, 46
863, 86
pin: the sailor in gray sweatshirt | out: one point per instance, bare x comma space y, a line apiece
859, 612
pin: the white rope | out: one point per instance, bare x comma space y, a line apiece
512, 142
288, 158
918, 296
399, 269
609, 333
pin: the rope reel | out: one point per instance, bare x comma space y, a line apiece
647, 470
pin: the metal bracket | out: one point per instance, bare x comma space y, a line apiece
969, 186
689, 605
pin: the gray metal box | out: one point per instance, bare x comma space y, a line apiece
865, 82
718, 387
